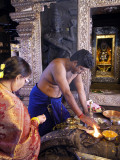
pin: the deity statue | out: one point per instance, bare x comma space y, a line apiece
57, 39
104, 56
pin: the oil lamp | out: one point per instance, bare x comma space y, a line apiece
96, 133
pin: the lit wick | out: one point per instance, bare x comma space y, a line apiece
96, 132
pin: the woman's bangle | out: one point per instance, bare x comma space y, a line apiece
37, 119
80, 115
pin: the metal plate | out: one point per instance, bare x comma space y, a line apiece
111, 114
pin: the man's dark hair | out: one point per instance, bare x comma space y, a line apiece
84, 58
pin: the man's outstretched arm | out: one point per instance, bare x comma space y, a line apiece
81, 92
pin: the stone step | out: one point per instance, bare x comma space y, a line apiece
108, 98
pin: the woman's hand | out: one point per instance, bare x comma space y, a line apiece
89, 121
42, 118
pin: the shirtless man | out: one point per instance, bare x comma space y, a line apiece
53, 83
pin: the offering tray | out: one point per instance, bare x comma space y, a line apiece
73, 123
113, 115
70, 123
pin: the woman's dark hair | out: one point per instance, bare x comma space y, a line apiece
84, 58
14, 66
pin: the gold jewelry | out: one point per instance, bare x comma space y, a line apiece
37, 119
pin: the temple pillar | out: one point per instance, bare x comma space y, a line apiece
27, 14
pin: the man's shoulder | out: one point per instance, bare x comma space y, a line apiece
57, 64
58, 61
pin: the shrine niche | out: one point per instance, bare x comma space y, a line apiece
105, 48
106, 54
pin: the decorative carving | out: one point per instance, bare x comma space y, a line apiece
83, 35
104, 99
23, 16
19, 1
21, 5
40, 6
27, 5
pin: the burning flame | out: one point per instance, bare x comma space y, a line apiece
96, 132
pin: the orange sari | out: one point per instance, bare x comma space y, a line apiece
19, 137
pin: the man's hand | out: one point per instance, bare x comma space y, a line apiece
89, 121
86, 112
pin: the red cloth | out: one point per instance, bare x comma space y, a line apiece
19, 138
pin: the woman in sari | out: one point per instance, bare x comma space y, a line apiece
19, 137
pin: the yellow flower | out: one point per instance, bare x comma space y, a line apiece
1, 74
2, 66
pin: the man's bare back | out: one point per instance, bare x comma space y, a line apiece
47, 83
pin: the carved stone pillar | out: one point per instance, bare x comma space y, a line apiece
27, 14
84, 36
